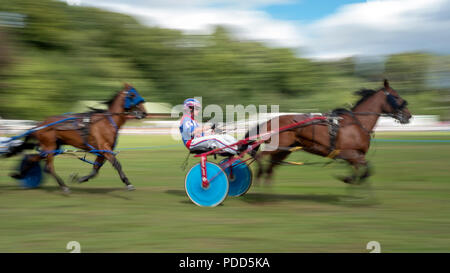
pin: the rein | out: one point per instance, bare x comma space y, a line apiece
373, 113
369, 132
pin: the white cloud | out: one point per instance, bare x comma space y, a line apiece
177, 4
370, 28
245, 23
382, 27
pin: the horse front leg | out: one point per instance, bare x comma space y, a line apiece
367, 172
356, 160
97, 165
116, 164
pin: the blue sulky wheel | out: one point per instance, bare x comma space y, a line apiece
217, 191
241, 180
33, 177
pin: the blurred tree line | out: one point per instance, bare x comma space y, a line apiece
62, 54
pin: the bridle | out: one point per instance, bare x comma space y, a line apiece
397, 112
132, 99
392, 100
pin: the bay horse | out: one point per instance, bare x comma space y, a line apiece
95, 132
346, 134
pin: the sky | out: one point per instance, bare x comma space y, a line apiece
317, 29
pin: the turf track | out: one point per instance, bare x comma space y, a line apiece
406, 205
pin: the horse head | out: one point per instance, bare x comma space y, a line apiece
395, 105
133, 102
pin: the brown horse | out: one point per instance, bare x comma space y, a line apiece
344, 135
94, 132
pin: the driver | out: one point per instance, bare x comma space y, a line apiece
202, 138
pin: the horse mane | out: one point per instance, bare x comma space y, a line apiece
365, 94
93, 110
111, 100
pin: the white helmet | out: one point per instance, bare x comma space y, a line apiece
188, 103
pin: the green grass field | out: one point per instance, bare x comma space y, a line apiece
405, 206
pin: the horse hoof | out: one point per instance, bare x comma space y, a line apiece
82, 180
131, 188
346, 179
16, 175
363, 179
66, 190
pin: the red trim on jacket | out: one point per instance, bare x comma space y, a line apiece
188, 143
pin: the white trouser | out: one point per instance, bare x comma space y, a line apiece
6, 143
212, 142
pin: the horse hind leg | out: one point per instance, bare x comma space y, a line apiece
258, 158
97, 165
276, 159
50, 168
29, 159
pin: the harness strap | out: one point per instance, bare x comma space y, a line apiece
295, 149
54, 152
117, 130
290, 149
39, 128
97, 151
89, 161
102, 151
333, 154
333, 128
85, 123
294, 163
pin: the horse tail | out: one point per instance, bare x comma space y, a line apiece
26, 145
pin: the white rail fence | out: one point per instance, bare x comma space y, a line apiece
166, 127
